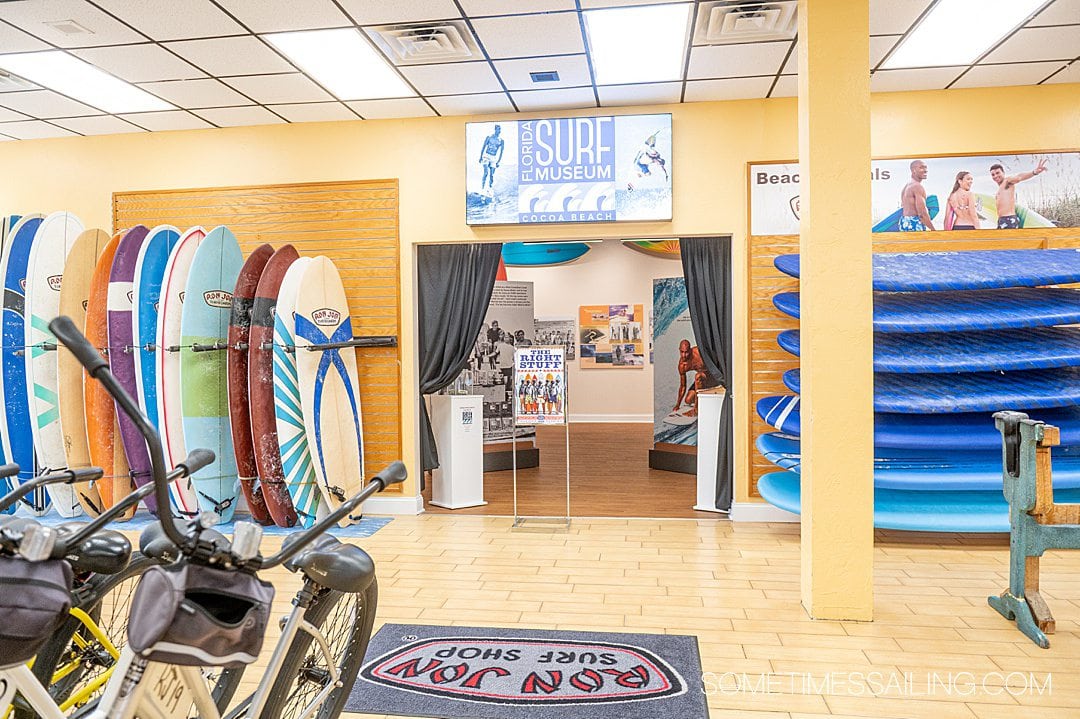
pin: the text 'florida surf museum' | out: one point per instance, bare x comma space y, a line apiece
740, 288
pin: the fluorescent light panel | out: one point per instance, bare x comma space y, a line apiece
343, 62
638, 44
958, 32
68, 75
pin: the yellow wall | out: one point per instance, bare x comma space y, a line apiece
712, 144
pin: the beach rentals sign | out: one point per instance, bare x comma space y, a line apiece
568, 169
1003, 191
540, 385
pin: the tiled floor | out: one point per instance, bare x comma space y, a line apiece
737, 588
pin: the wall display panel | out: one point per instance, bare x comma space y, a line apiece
559, 332
355, 224
1029, 190
572, 169
612, 336
678, 372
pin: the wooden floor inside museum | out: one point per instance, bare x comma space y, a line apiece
736, 587
609, 477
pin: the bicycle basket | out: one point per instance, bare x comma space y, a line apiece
35, 598
194, 615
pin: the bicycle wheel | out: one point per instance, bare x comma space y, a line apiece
345, 621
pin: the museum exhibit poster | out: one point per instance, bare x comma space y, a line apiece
678, 371
611, 336
1035, 190
568, 169
540, 385
558, 331
508, 325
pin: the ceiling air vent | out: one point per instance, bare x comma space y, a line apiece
722, 23
68, 27
547, 76
415, 44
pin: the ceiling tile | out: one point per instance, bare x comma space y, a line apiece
894, 17
196, 93
1069, 74
232, 56
732, 89
7, 115
1028, 73
378, 12
168, 120
760, 58
452, 79
573, 72
275, 89
33, 130
479, 8
653, 93
1059, 12
554, 99
1039, 43
314, 112
589, 4
5, 138
483, 104
139, 63
786, 86
384, 109
32, 16
933, 78
285, 15
15, 40
97, 125
530, 35
45, 104
239, 116
173, 19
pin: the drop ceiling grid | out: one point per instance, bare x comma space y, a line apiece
207, 58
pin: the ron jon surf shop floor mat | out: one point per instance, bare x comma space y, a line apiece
482, 673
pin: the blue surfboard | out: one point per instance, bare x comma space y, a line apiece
973, 270
969, 391
927, 470
539, 254
983, 351
965, 431
964, 309
18, 438
916, 511
149, 273
6, 485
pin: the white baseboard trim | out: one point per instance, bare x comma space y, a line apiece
760, 512
394, 505
643, 418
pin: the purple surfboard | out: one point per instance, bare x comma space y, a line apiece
121, 355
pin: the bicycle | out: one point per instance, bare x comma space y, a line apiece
306, 676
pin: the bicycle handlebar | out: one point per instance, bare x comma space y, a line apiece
8, 470
64, 476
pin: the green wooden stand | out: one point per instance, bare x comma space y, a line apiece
1037, 524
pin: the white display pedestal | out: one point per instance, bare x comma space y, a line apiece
709, 405
458, 423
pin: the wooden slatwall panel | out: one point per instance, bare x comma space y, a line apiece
355, 224
768, 362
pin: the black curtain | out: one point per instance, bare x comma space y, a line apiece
455, 284
707, 268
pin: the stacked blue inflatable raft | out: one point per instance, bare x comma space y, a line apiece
957, 337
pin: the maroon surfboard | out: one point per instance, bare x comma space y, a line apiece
261, 389
237, 371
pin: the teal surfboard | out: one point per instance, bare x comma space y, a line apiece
539, 254
204, 384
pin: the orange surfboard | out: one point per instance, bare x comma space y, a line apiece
101, 428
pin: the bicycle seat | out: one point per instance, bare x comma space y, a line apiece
323, 541
344, 567
155, 544
103, 552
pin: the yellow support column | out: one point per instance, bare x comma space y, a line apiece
836, 323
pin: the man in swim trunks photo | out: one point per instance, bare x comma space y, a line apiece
490, 156
1006, 194
914, 217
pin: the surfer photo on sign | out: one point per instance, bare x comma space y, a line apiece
1006, 194
914, 217
491, 153
689, 361
647, 156
962, 211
